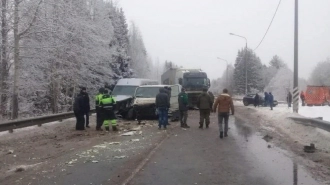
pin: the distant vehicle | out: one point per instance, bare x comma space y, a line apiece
249, 99
317, 95
124, 91
144, 104
193, 80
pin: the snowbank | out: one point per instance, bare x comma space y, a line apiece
316, 111
277, 121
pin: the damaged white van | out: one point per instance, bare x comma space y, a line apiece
144, 104
124, 94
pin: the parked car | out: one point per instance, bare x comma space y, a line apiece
249, 100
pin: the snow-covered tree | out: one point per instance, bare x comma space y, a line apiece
217, 85
277, 62
247, 62
140, 62
282, 83
321, 75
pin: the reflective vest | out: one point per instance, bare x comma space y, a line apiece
98, 99
107, 102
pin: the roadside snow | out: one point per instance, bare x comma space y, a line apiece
316, 111
277, 120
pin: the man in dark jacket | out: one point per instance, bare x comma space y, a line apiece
204, 104
183, 108
168, 92
271, 100
80, 121
85, 107
256, 100
266, 99
289, 99
98, 99
162, 106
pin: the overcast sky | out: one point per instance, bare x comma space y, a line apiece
193, 33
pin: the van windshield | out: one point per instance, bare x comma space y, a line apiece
124, 90
147, 92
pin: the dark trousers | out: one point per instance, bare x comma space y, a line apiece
204, 114
183, 117
80, 121
162, 117
223, 116
99, 119
87, 118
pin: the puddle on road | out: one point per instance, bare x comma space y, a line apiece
272, 164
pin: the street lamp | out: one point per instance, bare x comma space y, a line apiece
227, 84
245, 59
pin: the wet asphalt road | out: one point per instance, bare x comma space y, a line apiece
176, 157
196, 156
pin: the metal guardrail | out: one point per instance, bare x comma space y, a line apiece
15, 124
325, 125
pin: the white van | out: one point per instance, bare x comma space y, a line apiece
124, 91
144, 104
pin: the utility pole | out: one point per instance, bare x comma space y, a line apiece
295, 74
245, 56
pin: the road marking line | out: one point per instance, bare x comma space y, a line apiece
144, 162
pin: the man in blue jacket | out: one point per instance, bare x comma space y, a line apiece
271, 100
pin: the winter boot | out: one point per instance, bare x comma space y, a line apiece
200, 126
182, 125
221, 135
107, 129
207, 125
226, 135
99, 129
114, 128
186, 126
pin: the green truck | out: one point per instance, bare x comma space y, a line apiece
193, 80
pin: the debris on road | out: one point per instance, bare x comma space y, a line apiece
95, 161
135, 140
128, 133
310, 149
120, 157
135, 129
269, 146
100, 146
114, 143
10, 151
72, 161
267, 138
19, 169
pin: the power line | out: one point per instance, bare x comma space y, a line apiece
269, 25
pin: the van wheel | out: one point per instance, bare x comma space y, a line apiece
130, 114
245, 103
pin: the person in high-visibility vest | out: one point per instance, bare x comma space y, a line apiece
108, 106
99, 120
